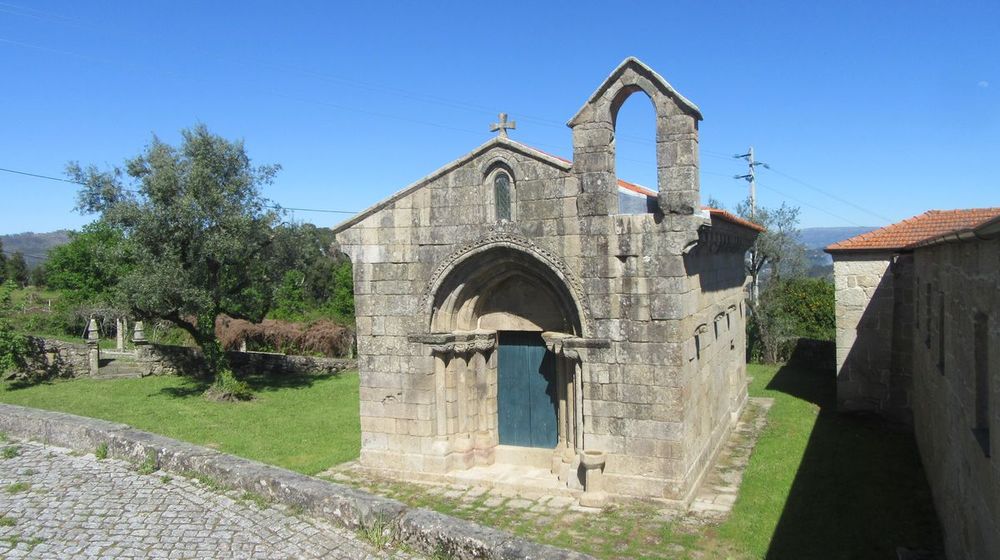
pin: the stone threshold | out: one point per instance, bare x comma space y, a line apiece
426, 531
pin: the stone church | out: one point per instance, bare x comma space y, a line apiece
517, 309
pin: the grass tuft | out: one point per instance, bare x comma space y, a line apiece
257, 499
7, 521
379, 532
101, 452
10, 452
16, 487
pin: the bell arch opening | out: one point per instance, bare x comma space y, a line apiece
504, 289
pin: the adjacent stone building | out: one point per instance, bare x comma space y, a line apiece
918, 339
517, 308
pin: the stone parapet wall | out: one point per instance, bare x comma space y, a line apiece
957, 335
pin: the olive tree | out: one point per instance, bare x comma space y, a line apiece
201, 238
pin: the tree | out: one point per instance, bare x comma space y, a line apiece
90, 266
777, 249
17, 269
201, 238
13, 345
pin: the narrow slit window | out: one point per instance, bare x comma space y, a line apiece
941, 333
502, 195
981, 351
927, 313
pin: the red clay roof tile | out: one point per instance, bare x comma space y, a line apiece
901, 235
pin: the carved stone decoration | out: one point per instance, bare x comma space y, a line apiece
457, 343
505, 235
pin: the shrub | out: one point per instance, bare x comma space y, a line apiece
14, 346
788, 310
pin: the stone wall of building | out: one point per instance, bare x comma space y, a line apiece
873, 332
957, 336
653, 302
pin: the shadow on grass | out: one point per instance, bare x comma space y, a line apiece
258, 382
860, 490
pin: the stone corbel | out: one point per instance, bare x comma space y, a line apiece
459, 343
569, 346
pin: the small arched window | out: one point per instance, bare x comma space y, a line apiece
502, 196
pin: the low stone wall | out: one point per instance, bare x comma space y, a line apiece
183, 360
427, 531
50, 358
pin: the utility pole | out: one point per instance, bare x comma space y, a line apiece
751, 177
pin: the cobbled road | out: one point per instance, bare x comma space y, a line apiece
55, 504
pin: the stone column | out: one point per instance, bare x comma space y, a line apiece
93, 346
120, 326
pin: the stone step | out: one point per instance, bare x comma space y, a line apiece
119, 369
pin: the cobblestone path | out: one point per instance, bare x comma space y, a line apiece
57, 505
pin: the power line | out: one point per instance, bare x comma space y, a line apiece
273, 206
814, 207
831, 195
50, 178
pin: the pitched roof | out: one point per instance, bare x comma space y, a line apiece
912, 231
530, 151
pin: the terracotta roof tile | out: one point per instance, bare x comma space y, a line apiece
930, 224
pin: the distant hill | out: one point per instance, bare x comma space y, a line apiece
34, 246
820, 237
816, 239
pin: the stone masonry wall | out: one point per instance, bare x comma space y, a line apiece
51, 358
864, 311
658, 411
958, 286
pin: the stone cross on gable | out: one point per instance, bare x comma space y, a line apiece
503, 125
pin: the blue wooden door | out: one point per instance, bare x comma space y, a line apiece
526, 391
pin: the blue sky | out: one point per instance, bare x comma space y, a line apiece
892, 108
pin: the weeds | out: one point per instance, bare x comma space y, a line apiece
7, 521
380, 533
260, 501
11, 451
16, 487
101, 452
150, 465
206, 481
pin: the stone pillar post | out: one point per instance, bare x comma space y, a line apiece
120, 326
142, 349
93, 345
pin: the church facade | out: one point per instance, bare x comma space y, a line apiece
517, 308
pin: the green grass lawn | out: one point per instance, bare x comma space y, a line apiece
305, 424
819, 485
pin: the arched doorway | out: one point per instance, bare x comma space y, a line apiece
500, 317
